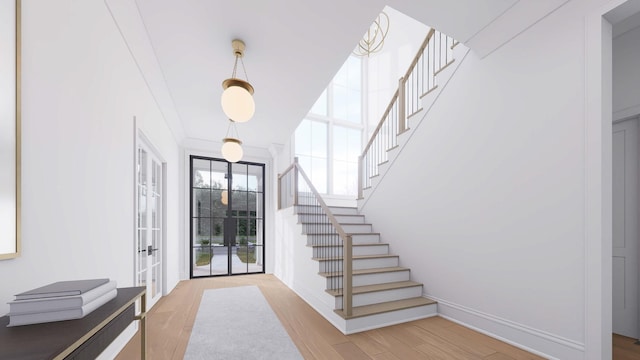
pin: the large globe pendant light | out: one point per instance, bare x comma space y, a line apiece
237, 97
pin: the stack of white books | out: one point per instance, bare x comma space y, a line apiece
63, 300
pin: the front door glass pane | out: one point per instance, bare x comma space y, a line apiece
227, 207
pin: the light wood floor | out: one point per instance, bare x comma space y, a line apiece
625, 348
170, 321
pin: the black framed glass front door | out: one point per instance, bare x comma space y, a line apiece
227, 217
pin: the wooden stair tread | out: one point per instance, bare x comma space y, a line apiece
366, 310
340, 245
350, 233
376, 287
324, 223
323, 214
330, 207
366, 271
355, 257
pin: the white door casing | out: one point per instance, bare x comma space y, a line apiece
625, 229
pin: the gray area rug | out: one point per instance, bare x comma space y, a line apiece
238, 323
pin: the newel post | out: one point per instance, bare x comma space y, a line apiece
402, 107
295, 181
360, 177
347, 276
279, 191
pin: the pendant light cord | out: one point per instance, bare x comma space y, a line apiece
232, 125
235, 68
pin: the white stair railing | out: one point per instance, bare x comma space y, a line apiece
435, 54
295, 189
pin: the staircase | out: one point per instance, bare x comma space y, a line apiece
350, 277
353, 280
380, 285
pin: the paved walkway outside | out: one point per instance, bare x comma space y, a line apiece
219, 266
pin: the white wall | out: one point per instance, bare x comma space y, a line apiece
81, 90
626, 74
489, 195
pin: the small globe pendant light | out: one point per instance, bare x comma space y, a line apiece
232, 146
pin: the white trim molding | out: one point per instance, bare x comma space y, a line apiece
539, 342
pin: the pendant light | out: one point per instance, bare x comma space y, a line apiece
224, 197
232, 146
237, 97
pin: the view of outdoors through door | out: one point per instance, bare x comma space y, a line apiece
227, 217
150, 220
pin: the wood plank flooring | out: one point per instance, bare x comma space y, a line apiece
170, 321
625, 348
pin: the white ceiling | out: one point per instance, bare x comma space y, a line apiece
294, 48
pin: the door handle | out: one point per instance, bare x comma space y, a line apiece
150, 250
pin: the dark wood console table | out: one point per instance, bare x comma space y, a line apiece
75, 339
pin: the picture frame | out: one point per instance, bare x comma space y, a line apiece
10, 128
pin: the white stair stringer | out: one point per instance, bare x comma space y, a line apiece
383, 293
442, 78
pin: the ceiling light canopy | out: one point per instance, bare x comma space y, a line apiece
237, 97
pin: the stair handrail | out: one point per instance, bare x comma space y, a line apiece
425, 42
347, 241
399, 100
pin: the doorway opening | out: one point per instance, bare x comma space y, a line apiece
625, 228
625, 233
227, 206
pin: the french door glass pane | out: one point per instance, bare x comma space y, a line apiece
149, 222
224, 221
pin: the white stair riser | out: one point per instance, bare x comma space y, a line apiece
348, 219
381, 278
372, 279
365, 238
377, 297
359, 264
334, 210
389, 318
323, 239
326, 228
325, 251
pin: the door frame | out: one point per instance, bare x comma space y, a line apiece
189, 213
141, 138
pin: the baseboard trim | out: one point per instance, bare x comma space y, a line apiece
536, 341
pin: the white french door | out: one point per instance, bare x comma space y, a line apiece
150, 222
